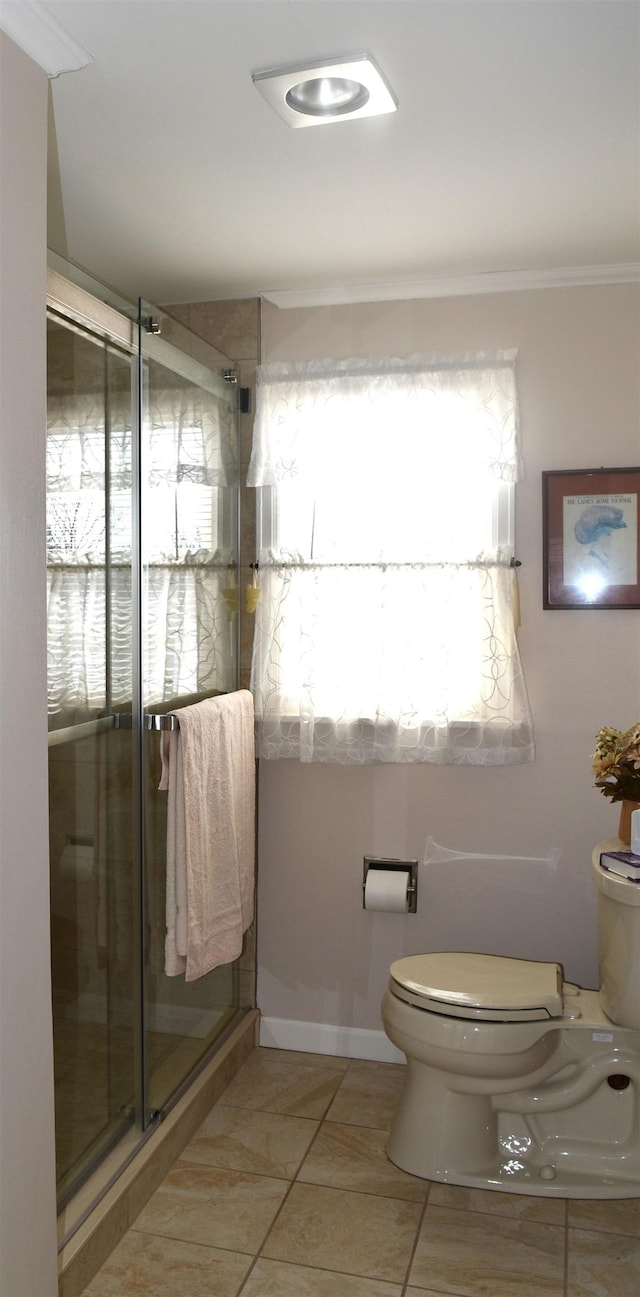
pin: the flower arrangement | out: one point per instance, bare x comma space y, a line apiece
616, 763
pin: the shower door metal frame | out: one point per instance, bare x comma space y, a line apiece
74, 307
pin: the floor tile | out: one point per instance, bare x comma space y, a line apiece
354, 1232
368, 1095
263, 1142
161, 1267
617, 1216
333, 1061
428, 1292
214, 1206
276, 1279
477, 1255
291, 1160
603, 1265
353, 1157
549, 1211
295, 1089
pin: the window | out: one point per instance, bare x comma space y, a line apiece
385, 629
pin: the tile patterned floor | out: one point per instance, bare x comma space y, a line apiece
285, 1191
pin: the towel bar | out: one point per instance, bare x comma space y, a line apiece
82, 730
160, 721
150, 721
155, 721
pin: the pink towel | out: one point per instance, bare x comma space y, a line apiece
208, 769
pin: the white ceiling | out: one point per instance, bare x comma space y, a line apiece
515, 147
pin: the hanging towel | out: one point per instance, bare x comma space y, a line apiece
172, 782
208, 770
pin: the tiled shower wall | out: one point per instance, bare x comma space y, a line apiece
234, 329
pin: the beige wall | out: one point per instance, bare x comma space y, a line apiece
27, 1166
322, 959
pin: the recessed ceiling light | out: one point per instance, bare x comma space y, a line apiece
335, 90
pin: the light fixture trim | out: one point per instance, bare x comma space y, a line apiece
350, 85
327, 96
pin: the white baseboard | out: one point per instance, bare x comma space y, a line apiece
321, 1038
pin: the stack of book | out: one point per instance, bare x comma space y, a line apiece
624, 863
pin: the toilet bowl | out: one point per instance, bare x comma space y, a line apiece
517, 1080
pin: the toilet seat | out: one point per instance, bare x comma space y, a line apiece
484, 987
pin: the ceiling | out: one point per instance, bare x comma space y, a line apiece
515, 147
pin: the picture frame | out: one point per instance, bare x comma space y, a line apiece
591, 538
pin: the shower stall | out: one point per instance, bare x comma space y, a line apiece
142, 562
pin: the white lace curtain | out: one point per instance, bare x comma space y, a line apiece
386, 626
188, 464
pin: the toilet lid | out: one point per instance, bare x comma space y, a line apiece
489, 987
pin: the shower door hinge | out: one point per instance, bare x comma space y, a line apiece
230, 376
150, 324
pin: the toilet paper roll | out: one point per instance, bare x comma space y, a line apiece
386, 889
77, 862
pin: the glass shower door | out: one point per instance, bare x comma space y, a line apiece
189, 476
142, 546
91, 766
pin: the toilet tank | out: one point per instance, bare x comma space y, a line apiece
618, 942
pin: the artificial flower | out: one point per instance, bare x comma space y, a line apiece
616, 763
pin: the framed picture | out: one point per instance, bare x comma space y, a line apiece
591, 549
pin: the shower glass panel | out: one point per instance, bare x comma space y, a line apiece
91, 768
142, 544
189, 525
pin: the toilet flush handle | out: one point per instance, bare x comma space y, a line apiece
570, 1011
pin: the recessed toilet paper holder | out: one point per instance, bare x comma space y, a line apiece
409, 867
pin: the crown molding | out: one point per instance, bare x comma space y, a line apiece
35, 30
502, 281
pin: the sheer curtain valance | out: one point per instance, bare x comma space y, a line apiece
385, 629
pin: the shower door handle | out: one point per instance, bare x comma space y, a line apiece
150, 721
159, 721
156, 721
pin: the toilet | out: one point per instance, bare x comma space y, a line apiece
517, 1080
